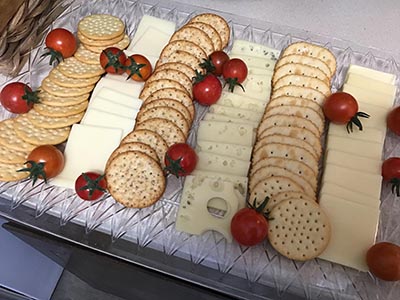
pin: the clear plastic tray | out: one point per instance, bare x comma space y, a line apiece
147, 236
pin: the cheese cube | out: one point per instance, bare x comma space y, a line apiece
225, 132
208, 161
231, 150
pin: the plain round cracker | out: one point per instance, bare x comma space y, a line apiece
60, 111
180, 67
216, 21
99, 43
160, 84
299, 229
175, 75
122, 44
8, 172
305, 81
170, 132
60, 79
195, 35
173, 104
150, 138
71, 67
135, 180
210, 31
10, 139
300, 92
57, 90
52, 100
41, 121
296, 101
12, 156
184, 45
305, 60
86, 56
101, 26
133, 146
298, 69
164, 112
183, 57
288, 195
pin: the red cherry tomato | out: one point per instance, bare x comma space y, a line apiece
138, 67
18, 98
215, 62
44, 162
249, 226
61, 44
180, 159
391, 173
207, 89
234, 72
383, 260
113, 60
90, 186
342, 108
393, 120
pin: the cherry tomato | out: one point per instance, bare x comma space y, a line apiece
391, 173
90, 186
393, 120
234, 72
61, 44
207, 89
113, 60
249, 226
18, 98
383, 260
138, 67
342, 108
44, 162
215, 62
180, 159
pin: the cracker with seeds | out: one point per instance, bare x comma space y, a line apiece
135, 180
10, 139
57, 90
71, 67
305, 81
210, 31
195, 35
305, 60
300, 92
184, 45
8, 172
296, 101
170, 132
173, 104
12, 156
60, 79
52, 100
183, 57
298, 69
60, 111
216, 21
101, 27
150, 138
172, 74
160, 84
299, 229
27, 131
164, 112
133, 146
180, 67
41, 121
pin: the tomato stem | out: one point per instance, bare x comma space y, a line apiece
36, 170
232, 82
30, 96
134, 68
92, 185
174, 166
356, 121
54, 56
113, 60
395, 186
260, 208
208, 65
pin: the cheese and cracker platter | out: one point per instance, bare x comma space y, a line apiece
258, 163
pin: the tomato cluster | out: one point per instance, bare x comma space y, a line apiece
207, 88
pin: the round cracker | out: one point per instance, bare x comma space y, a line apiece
60, 79
99, 43
52, 100
135, 180
287, 195
305, 60
153, 86
195, 35
184, 45
300, 92
180, 67
8, 172
57, 90
216, 21
12, 156
296, 101
101, 26
183, 57
10, 139
173, 104
299, 229
210, 31
41, 121
298, 69
60, 111
122, 44
175, 75
305, 81
86, 56
133, 146
71, 67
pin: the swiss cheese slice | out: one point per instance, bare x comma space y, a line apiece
231, 150
242, 47
208, 161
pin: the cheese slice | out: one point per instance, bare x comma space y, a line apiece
105, 119
225, 132
353, 231
118, 97
255, 62
218, 117
242, 102
234, 112
353, 161
373, 74
259, 71
130, 88
208, 161
369, 97
328, 188
88, 149
106, 105
371, 84
193, 215
255, 86
242, 47
361, 182
151, 43
231, 150
372, 135
377, 116
357, 147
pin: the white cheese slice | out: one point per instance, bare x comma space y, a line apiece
353, 228
147, 22
358, 147
217, 117
377, 115
118, 97
231, 150
130, 87
369, 97
260, 71
88, 149
242, 47
234, 112
361, 182
255, 86
255, 62
353, 161
372, 135
151, 42
373, 74
329, 188
208, 161
111, 107
105, 119
371, 84
194, 217
240, 101
225, 132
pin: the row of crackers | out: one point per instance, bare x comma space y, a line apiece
63, 96
167, 113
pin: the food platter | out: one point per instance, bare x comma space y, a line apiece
147, 236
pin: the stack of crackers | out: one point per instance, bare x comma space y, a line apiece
285, 160
167, 113
63, 96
